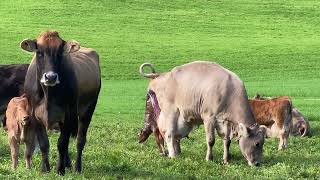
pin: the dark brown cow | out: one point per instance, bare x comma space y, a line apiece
62, 85
21, 129
276, 115
11, 84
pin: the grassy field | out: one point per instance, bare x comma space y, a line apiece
272, 45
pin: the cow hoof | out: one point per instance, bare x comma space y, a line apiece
209, 158
61, 173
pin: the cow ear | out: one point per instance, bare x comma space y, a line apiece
71, 46
29, 45
243, 130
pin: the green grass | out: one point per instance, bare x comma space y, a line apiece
272, 45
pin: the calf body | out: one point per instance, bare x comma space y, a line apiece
21, 129
276, 115
203, 93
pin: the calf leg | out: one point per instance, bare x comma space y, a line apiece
44, 147
283, 136
160, 143
14, 147
209, 128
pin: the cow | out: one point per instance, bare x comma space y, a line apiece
202, 92
276, 115
62, 86
11, 85
300, 125
20, 129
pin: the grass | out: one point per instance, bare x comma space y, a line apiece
272, 45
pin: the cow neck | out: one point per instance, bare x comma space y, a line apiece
242, 113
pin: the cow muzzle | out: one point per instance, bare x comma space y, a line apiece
50, 79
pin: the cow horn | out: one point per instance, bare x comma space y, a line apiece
149, 75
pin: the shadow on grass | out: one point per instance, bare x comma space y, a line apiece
123, 170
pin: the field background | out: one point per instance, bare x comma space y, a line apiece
272, 45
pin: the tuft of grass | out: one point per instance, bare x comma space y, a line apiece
272, 45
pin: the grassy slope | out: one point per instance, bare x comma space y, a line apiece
272, 45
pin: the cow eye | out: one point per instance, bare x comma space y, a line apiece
257, 144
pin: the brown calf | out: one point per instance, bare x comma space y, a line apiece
276, 115
21, 129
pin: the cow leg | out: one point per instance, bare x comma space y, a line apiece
209, 128
226, 153
171, 119
30, 146
44, 147
67, 161
226, 144
84, 123
63, 143
177, 147
14, 147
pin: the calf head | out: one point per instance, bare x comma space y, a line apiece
251, 143
22, 116
150, 116
50, 51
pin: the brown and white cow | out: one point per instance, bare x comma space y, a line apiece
300, 124
21, 129
276, 115
201, 93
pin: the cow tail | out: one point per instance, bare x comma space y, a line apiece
151, 75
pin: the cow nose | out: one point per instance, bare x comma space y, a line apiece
50, 76
25, 117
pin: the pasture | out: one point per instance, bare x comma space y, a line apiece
272, 45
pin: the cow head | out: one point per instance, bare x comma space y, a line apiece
251, 143
50, 51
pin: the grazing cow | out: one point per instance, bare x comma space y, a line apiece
202, 93
21, 129
276, 115
11, 84
62, 85
300, 124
